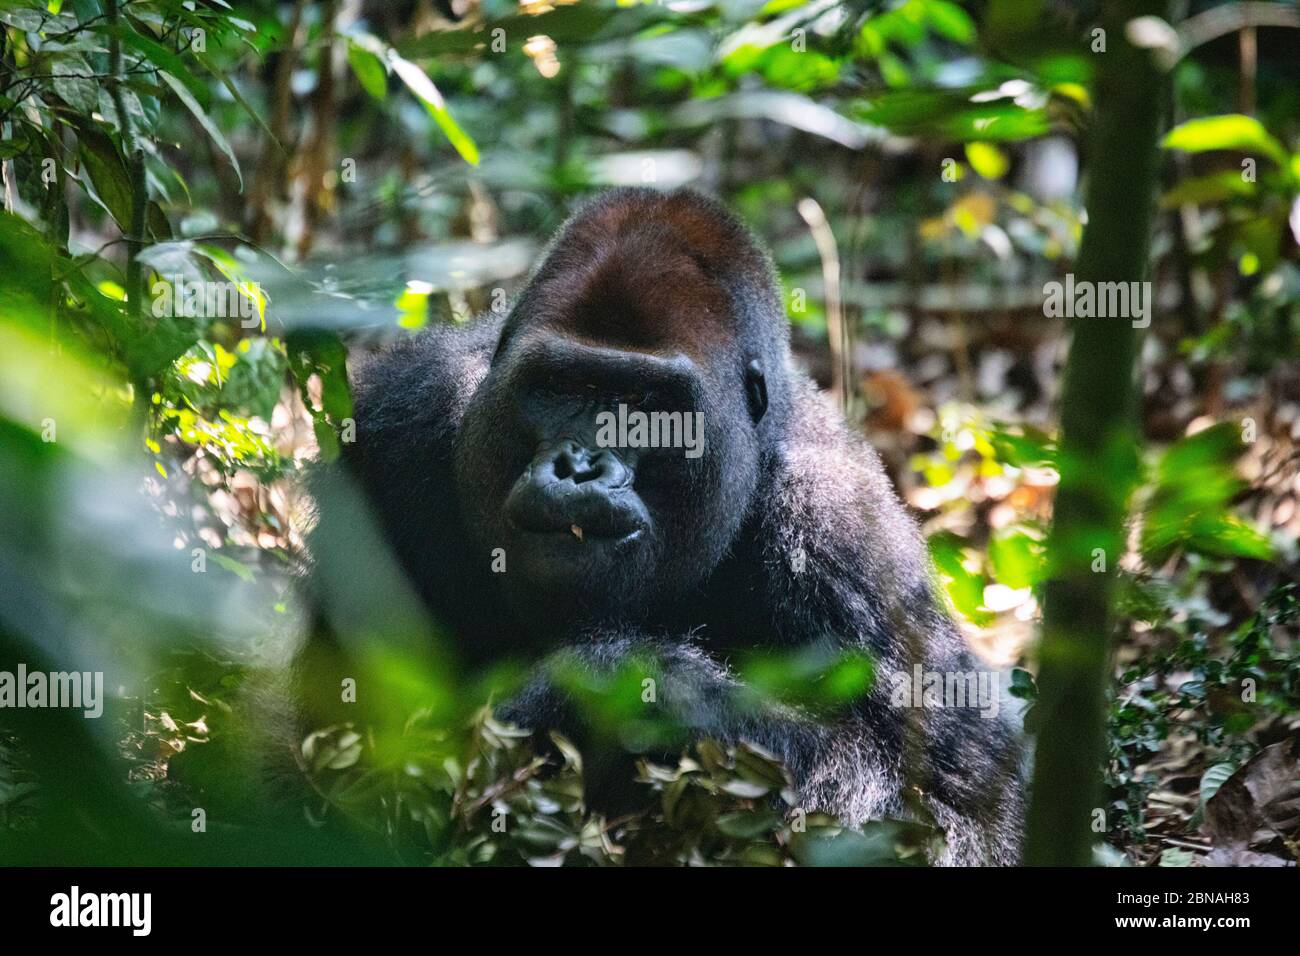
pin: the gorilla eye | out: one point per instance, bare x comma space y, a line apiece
632, 398
756, 390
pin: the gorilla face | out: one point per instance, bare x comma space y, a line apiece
593, 451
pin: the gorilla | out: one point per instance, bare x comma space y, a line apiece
529, 525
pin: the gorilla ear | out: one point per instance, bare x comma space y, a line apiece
756, 390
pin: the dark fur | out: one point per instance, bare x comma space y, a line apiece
648, 271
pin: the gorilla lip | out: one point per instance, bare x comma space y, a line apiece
580, 534
577, 516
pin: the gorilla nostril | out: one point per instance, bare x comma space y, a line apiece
565, 461
572, 462
608, 469
588, 468
563, 466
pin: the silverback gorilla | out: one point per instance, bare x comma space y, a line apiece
480, 445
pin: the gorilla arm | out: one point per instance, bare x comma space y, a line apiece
866, 582
692, 698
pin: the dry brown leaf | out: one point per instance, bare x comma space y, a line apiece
1254, 819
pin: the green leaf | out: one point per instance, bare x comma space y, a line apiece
107, 172
183, 93
1212, 188
237, 568
157, 221
1194, 485
987, 160
413, 305
954, 115
74, 82
9, 148
25, 281
949, 20
254, 381
1214, 778
814, 678
1262, 237
233, 89
418, 82
159, 56
134, 109
748, 824
29, 21
314, 352
1017, 559
1233, 131
964, 587
1030, 448
1228, 536
370, 71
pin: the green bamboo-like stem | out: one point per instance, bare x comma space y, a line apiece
135, 166
1098, 454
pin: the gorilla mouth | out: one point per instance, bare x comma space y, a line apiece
580, 517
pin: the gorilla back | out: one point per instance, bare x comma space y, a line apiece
627, 463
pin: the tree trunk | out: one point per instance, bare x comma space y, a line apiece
1098, 455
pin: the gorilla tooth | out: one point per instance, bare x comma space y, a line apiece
577, 532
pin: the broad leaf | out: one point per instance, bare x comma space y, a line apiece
418, 82
183, 93
1233, 131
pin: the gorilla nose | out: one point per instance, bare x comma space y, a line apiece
569, 485
570, 461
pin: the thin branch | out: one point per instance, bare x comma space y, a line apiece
836, 328
1229, 18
